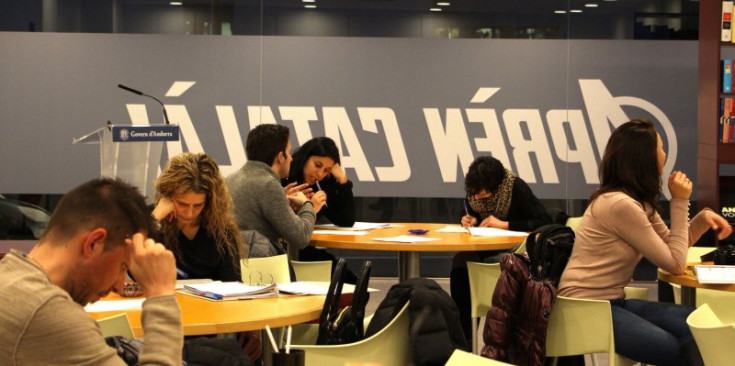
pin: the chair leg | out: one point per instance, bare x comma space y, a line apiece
594, 359
474, 337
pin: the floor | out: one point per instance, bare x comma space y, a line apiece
383, 284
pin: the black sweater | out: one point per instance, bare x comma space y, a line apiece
526, 213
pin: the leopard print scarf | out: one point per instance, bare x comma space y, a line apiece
498, 204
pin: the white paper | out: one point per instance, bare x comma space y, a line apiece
228, 289
339, 232
453, 229
407, 239
357, 226
114, 305
314, 288
717, 274
491, 231
181, 283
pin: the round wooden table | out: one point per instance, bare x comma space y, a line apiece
408, 253
200, 316
689, 284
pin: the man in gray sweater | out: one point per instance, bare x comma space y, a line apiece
261, 203
96, 234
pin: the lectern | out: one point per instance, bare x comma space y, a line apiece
131, 152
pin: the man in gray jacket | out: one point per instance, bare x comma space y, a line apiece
261, 204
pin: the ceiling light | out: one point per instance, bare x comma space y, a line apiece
443, 3
309, 1
435, 9
575, 11
560, 11
176, 3
310, 6
590, 5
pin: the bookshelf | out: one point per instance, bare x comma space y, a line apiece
711, 153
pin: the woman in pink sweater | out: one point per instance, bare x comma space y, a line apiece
621, 226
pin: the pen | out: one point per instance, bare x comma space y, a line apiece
181, 274
466, 210
320, 188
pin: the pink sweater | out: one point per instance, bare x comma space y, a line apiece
614, 234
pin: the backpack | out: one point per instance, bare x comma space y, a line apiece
549, 248
345, 326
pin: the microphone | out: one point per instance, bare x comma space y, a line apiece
165, 115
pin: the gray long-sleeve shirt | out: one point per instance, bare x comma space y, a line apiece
261, 204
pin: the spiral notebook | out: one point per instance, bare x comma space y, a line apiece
218, 290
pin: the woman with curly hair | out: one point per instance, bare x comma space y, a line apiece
195, 211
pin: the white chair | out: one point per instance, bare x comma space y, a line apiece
573, 223
714, 338
483, 278
462, 358
318, 271
580, 326
116, 325
265, 269
388, 347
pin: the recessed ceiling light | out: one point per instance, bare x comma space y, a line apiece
176, 3
309, 1
575, 11
560, 11
435, 9
591, 5
310, 6
443, 3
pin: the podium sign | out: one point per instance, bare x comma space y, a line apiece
132, 152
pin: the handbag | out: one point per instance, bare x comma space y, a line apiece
345, 326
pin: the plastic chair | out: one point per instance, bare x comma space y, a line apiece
580, 326
713, 338
573, 222
116, 325
462, 358
483, 278
265, 269
319, 271
388, 347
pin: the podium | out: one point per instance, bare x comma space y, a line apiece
131, 152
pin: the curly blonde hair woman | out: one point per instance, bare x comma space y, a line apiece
194, 208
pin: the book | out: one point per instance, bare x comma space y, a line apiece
716, 274
218, 290
727, 76
726, 21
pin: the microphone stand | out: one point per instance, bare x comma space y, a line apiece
165, 115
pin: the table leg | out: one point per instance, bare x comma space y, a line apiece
689, 296
408, 265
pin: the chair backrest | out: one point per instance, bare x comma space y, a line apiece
579, 326
714, 339
265, 269
116, 325
483, 278
462, 358
694, 254
388, 347
573, 222
318, 271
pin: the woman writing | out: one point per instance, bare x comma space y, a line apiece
620, 226
194, 209
316, 168
495, 197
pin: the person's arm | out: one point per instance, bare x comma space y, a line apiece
294, 228
526, 211
632, 224
340, 208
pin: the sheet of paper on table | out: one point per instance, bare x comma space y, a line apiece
340, 232
407, 239
114, 305
491, 231
453, 229
191, 281
356, 227
716, 274
314, 288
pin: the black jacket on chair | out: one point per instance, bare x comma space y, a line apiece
435, 331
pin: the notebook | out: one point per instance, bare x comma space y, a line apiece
717, 274
218, 290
